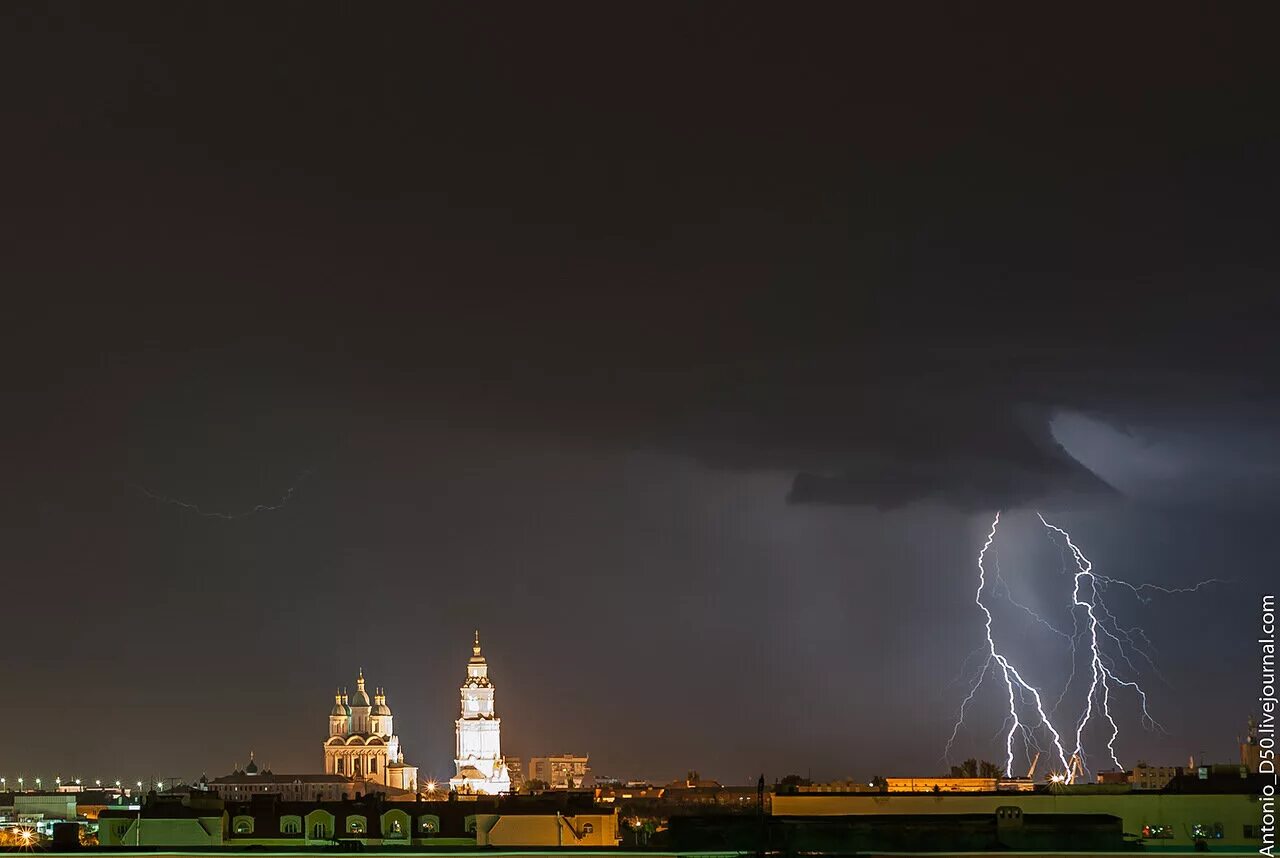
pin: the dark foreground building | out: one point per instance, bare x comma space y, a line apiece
972, 832
268, 821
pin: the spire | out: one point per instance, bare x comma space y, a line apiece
360, 680
475, 649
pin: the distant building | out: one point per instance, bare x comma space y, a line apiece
561, 771
516, 773
942, 784
1147, 777
837, 786
479, 766
244, 784
1250, 750
362, 742
1115, 776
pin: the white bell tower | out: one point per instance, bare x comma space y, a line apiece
479, 763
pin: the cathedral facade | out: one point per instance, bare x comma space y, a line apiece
480, 768
362, 742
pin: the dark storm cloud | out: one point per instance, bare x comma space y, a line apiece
459, 263
772, 244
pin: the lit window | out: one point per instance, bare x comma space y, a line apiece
1204, 831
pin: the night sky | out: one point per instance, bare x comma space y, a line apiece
686, 350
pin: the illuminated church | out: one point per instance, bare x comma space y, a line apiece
362, 742
479, 763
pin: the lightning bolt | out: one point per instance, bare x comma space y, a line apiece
225, 516
1102, 627
1015, 685
1096, 638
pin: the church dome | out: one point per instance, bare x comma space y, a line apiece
339, 708
380, 706
360, 698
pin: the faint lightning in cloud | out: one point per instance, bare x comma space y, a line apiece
225, 516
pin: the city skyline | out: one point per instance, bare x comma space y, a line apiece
688, 352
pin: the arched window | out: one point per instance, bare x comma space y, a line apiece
588, 828
290, 825
318, 831
243, 825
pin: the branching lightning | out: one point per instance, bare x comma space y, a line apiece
1013, 681
1109, 645
225, 516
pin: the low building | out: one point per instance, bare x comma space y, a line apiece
243, 785
39, 811
167, 821
848, 785
561, 771
942, 784
1006, 830
266, 821
1220, 809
